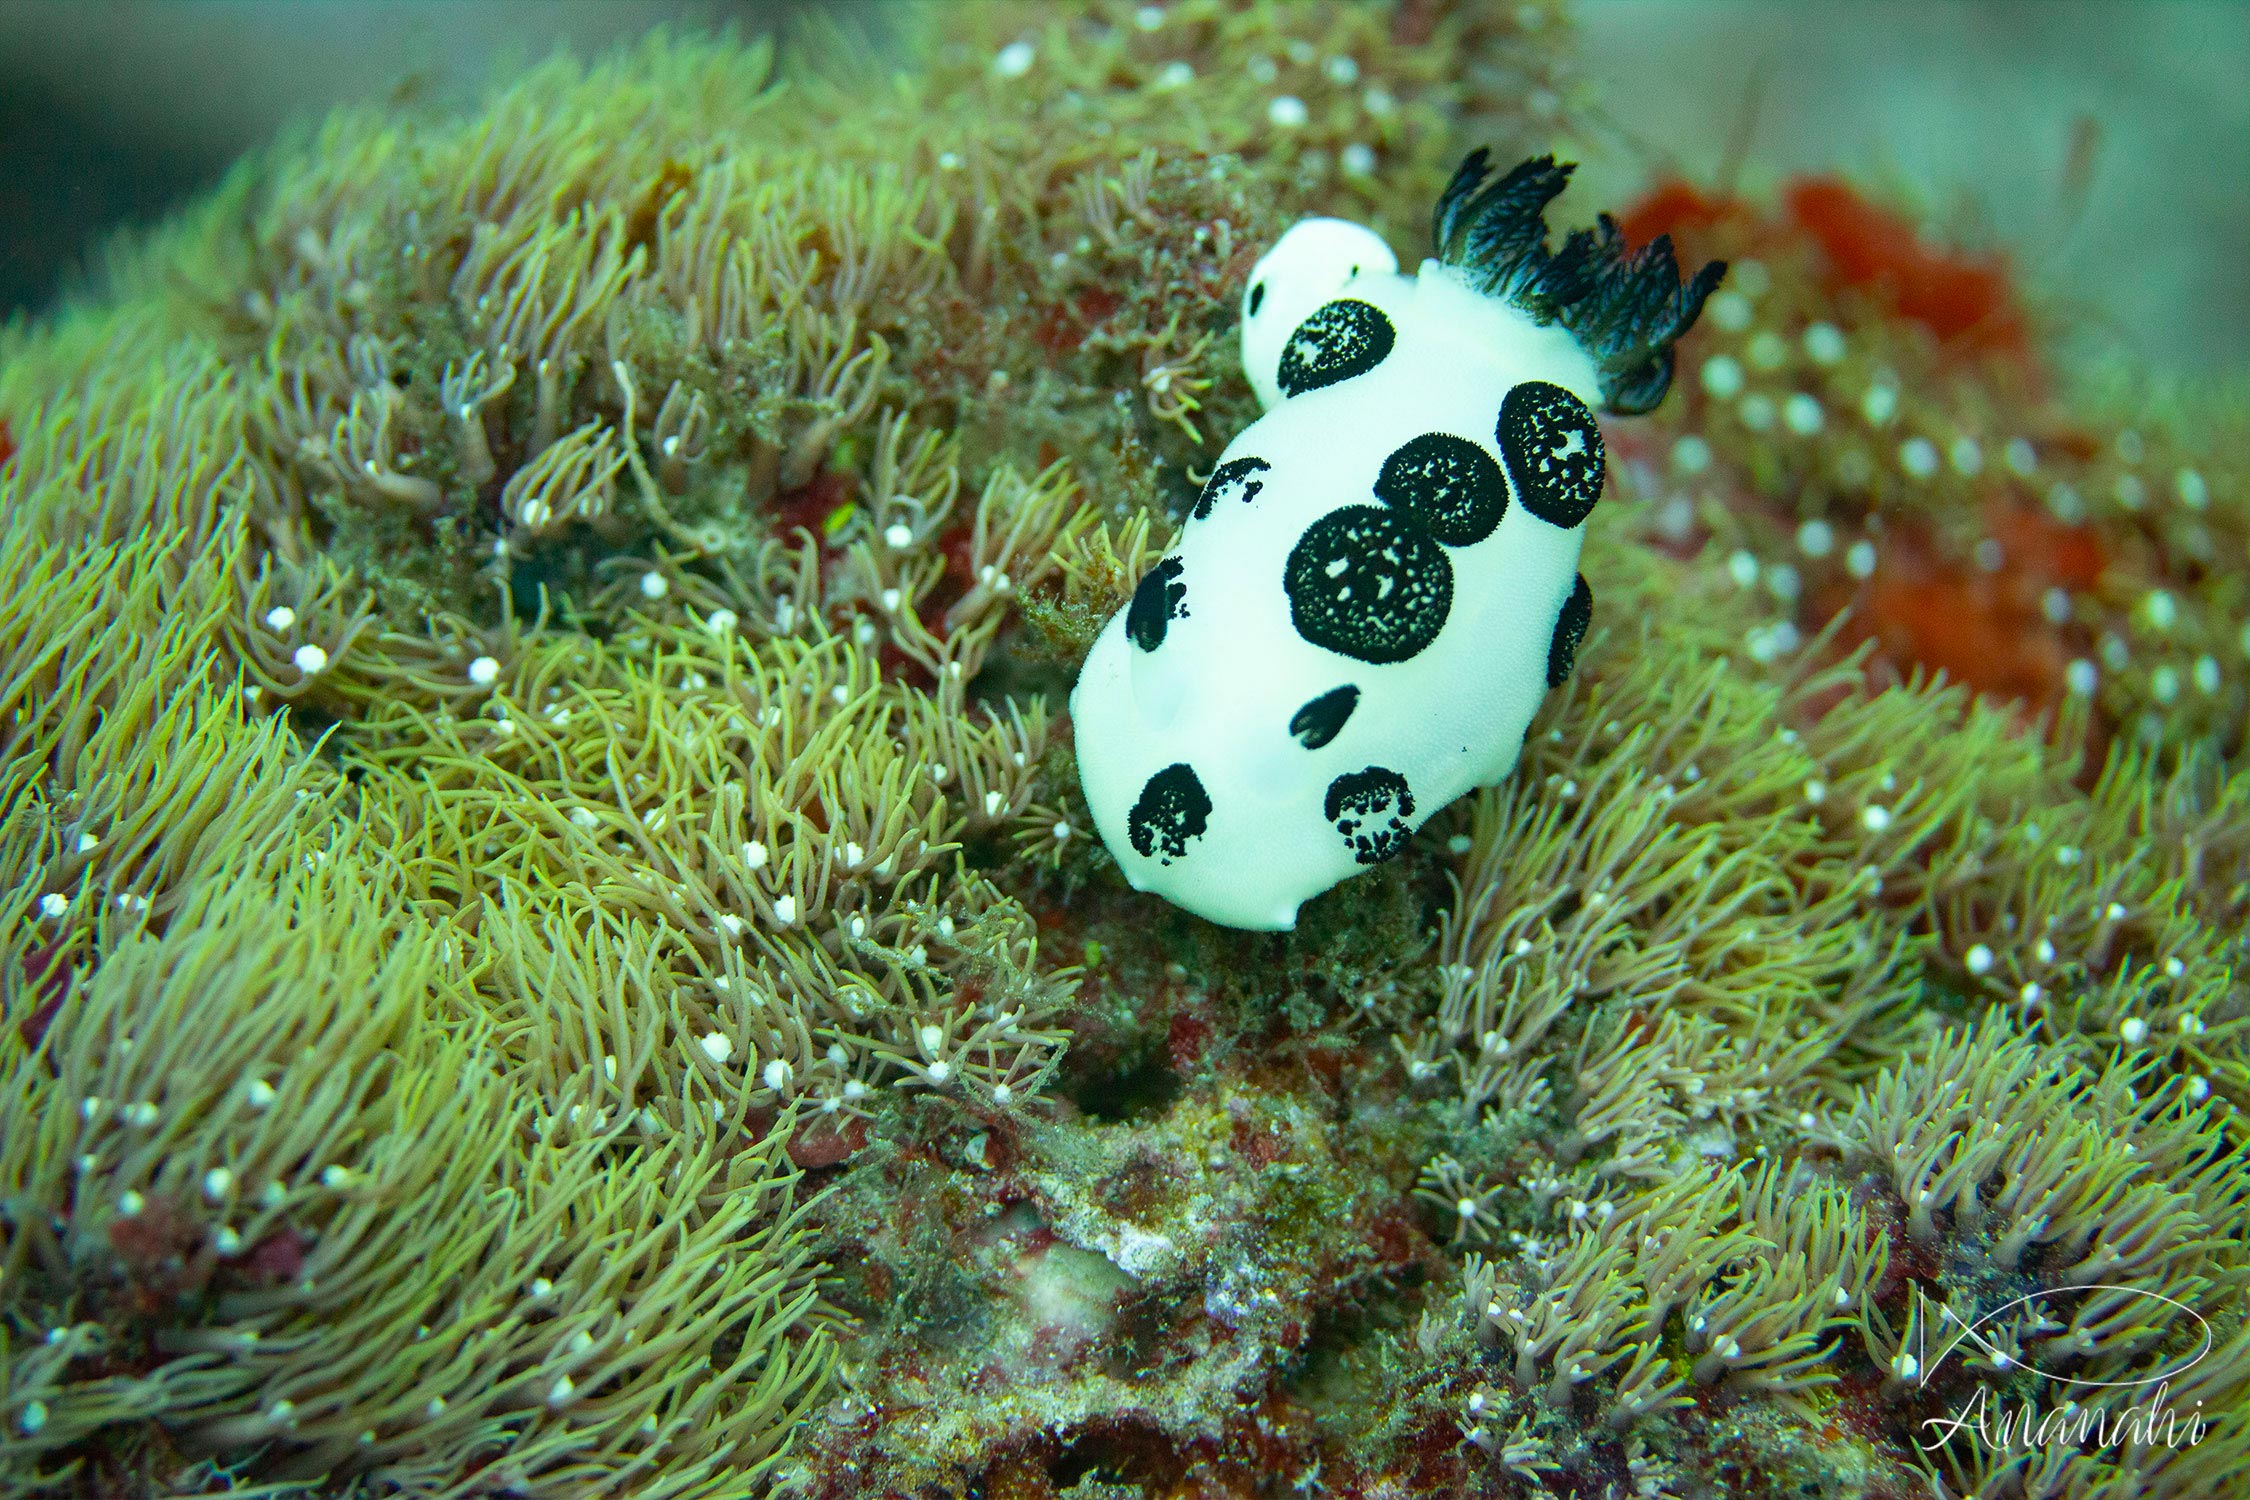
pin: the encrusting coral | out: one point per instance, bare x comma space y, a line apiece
553, 946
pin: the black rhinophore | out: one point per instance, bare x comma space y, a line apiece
1626, 307
1497, 232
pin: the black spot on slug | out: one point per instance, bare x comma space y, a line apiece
1341, 339
1570, 628
1369, 584
1554, 452
1160, 599
1172, 808
1230, 478
1320, 720
1448, 485
1371, 809
1257, 297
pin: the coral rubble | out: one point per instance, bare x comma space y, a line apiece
552, 945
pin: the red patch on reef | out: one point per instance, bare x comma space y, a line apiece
1969, 625
811, 504
7, 442
157, 1238
1064, 326
1257, 1145
1028, 1239
1185, 1039
1887, 1216
1679, 209
47, 969
1966, 299
1394, 1241
1414, 23
958, 545
823, 1143
278, 1257
1985, 630
1325, 1066
2043, 548
33, 1028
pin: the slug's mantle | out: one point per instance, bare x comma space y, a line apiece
1378, 583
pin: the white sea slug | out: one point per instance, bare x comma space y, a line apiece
1379, 582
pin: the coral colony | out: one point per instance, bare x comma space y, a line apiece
562, 941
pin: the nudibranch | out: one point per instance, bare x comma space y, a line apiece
1378, 583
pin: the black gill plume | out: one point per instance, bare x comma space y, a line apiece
1626, 307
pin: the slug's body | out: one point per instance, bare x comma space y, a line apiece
1379, 583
